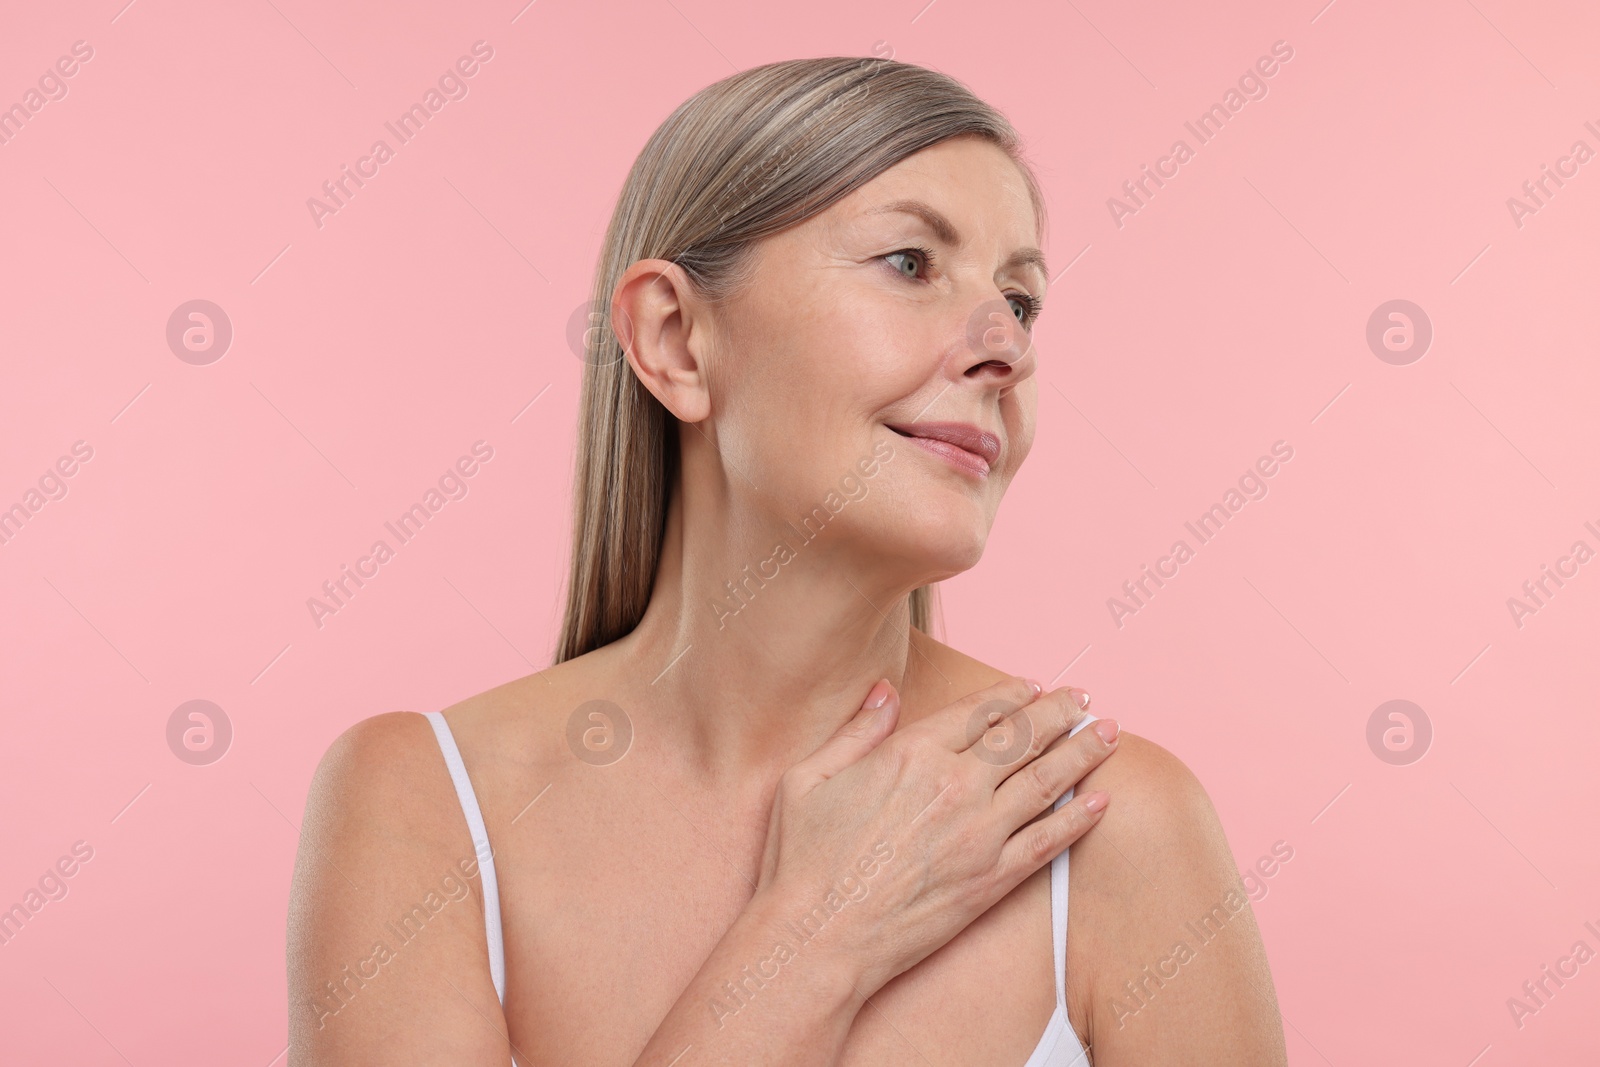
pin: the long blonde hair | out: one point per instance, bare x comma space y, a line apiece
744, 158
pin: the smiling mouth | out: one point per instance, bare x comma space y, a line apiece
961, 444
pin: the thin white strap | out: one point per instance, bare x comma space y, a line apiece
480, 844
1059, 875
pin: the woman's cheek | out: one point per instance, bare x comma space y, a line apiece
1019, 417
1019, 453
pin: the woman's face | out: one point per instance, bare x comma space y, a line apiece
852, 345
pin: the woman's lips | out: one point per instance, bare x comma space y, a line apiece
952, 453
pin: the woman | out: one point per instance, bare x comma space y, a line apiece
755, 813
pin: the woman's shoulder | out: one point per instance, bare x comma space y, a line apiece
1160, 828
389, 767
378, 767
392, 746
383, 851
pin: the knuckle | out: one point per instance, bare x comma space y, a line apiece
1040, 783
893, 749
1012, 691
968, 841
913, 745
953, 790
1090, 748
1038, 741
1038, 843
979, 891
942, 791
1066, 709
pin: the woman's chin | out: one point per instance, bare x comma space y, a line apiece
942, 557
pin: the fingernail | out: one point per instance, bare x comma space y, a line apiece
878, 695
1081, 697
1096, 800
1037, 688
1107, 729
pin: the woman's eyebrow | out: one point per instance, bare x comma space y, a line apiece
946, 232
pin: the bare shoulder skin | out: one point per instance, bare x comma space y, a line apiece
388, 960
1165, 962
386, 953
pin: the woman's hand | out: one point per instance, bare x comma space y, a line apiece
882, 846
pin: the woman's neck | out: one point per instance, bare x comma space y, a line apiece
749, 657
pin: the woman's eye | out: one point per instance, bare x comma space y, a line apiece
1027, 308
911, 257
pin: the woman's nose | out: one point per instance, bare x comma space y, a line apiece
998, 347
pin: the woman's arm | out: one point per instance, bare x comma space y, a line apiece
388, 961
749, 1004
1165, 962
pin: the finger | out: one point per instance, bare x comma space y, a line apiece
1038, 843
1042, 781
958, 725
1010, 740
860, 734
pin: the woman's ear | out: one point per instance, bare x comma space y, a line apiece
653, 315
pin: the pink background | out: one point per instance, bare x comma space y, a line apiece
1228, 313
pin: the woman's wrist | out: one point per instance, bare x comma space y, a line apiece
765, 995
791, 926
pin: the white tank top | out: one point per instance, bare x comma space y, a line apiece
1057, 1047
